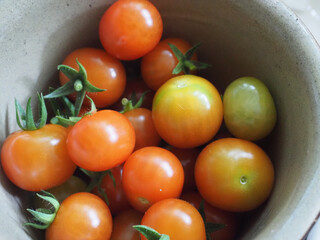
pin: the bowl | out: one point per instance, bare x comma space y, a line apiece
239, 38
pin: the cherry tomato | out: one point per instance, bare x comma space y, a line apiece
150, 175
187, 111
81, 216
215, 215
249, 109
130, 28
37, 160
72, 185
122, 225
146, 133
234, 174
176, 218
158, 64
117, 199
103, 71
187, 157
101, 141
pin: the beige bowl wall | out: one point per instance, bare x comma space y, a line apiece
248, 37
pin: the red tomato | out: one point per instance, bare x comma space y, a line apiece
234, 174
37, 160
187, 157
117, 199
130, 28
150, 175
103, 70
158, 64
176, 218
122, 225
81, 216
187, 111
101, 141
146, 133
215, 215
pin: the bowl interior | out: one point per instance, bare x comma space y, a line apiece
239, 38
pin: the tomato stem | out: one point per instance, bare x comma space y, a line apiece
150, 233
130, 104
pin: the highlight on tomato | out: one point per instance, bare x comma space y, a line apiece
187, 111
103, 71
130, 28
234, 174
152, 174
101, 141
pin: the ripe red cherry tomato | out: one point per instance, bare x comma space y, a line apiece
158, 64
146, 133
176, 218
103, 71
122, 225
130, 28
37, 160
234, 174
81, 216
187, 111
117, 199
150, 175
215, 215
101, 141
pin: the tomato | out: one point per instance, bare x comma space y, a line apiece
150, 175
137, 87
122, 225
117, 199
37, 160
187, 111
234, 174
101, 141
130, 28
81, 216
215, 215
146, 134
103, 71
72, 185
158, 64
249, 109
176, 218
187, 157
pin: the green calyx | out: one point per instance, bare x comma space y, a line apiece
186, 64
132, 103
209, 226
96, 180
150, 233
25, 119
78, 84
43, 217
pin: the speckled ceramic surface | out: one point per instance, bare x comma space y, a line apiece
249, 37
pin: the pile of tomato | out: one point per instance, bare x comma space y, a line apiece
140, 145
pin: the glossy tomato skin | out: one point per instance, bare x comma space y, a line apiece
81, 216
158, 64
215, 215
150, 175
122, 225
37, 160
176, 218
187, 111
117, 199
234, 174
249, 109
146, 133
130, 28
103, 71
101, 141
187, 157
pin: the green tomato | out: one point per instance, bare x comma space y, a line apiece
249, 109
